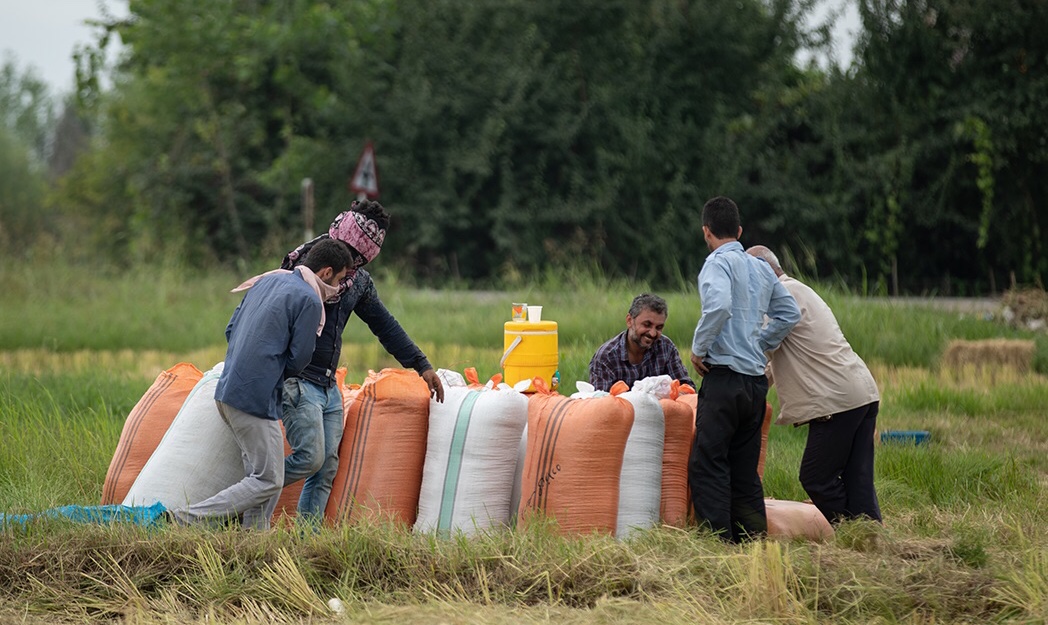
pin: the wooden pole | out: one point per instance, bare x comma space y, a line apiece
895, 275
307, 207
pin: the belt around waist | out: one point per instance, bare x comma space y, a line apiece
727, 369
325, 378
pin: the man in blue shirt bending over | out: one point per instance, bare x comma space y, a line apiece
271, 335
728, 348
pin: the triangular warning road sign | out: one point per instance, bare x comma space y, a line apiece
365, 176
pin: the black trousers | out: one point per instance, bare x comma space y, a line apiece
722, 470
837, 467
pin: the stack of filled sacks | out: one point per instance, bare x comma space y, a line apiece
653, 485
640, 479
175, 448
381, 452
487, 457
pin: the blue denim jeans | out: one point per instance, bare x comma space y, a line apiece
313, 422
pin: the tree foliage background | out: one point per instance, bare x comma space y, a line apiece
520, 135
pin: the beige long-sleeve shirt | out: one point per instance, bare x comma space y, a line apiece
815, 370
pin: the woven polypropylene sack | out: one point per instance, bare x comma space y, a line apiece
640, 485
680, 436
796, 519
383, 450
145, 426
471, 458
197, 457
573, 462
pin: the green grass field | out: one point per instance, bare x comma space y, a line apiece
964, 539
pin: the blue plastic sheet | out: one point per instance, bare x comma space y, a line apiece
146, 516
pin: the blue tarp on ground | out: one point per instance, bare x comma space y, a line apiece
146, 516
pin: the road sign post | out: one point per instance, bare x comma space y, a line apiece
364, 181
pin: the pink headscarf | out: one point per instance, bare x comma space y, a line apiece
354, 229
359, 232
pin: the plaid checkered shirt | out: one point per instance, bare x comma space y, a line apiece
611, 363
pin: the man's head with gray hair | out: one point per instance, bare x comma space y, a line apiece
644, 322
763, 253
648, 301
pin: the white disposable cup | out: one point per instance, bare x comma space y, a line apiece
534, 313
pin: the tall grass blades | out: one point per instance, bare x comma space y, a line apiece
65, 308
1024, 591
919, 476
57, 436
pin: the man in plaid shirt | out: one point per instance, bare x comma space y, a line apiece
639, 351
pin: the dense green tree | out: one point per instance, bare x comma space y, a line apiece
513, 136
910, 171
219, 109
534, 132
954, 94
26, 113
554, 132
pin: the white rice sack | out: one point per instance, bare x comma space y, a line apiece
640, 485
471, 459
197, 457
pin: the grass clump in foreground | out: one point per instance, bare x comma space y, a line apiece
384, 573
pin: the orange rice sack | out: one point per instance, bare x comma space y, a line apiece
680, 436
795, 519
383, 449
573, 461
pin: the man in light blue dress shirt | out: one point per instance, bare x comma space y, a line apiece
728, 352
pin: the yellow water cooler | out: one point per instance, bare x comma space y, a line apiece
530, 352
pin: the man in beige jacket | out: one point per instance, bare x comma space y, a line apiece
822, 382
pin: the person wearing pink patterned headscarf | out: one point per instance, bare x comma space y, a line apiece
312, 402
